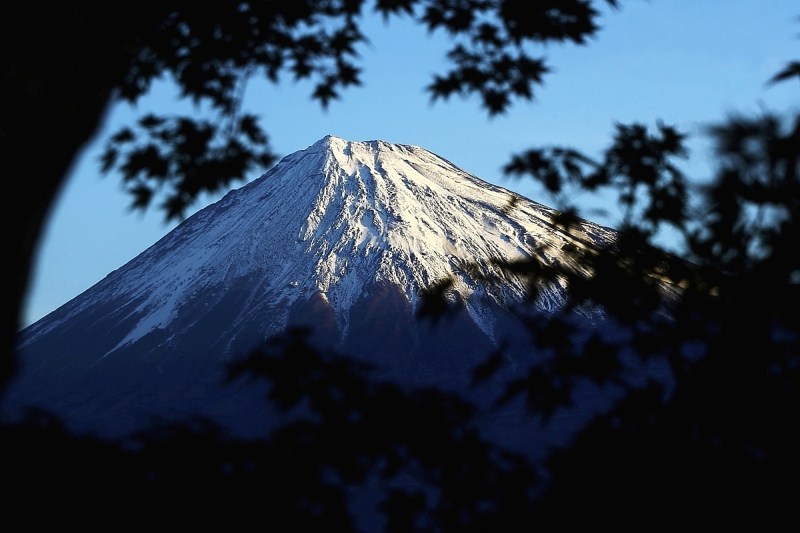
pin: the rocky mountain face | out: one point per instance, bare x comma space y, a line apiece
341, 238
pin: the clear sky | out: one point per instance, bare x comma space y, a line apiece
689, 63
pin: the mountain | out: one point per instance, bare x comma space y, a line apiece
341, 237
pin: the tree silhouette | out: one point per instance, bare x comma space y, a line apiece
713, 435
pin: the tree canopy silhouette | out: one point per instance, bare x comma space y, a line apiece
714, 435
715, 438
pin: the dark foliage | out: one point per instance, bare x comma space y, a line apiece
715, 435
345, 448
184, 156
712, 435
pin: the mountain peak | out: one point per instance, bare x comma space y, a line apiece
329, 142
342, 146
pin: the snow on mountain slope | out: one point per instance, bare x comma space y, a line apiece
334, 218
340, 237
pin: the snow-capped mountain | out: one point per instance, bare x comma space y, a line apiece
341, 236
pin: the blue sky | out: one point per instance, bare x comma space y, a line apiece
688, 63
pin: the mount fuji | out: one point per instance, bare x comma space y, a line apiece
341, 238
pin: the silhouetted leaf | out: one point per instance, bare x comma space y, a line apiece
487, 369
433, 304
791, 70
